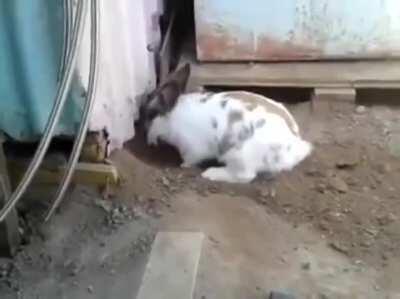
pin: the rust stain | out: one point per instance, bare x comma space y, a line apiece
221, 45
270, 49
216, 43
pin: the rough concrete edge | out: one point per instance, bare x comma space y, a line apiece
201, 237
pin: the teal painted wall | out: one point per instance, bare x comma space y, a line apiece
31, 40
297, 29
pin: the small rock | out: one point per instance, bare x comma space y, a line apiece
321, 188
339, 247
264, 193
165, 181
213, 240
385, 257
366, 189
280, 295
104, 204
366, 243
323, 225
74, 268
200, 191
313, 172
386, 131
267, 194
347, 163
329, 173
361, 109
158, 213
347, 211
6, 270
387, 219
213, 189
339, 185
164, 200
306, 266
123, 209
139, 199
384, 168
359, 263
287, 210
90, 289
283, 259
371, 231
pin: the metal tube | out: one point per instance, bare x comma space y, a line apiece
76, 150
61, 97
70, 14
65, 43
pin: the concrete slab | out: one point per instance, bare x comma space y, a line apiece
172, 267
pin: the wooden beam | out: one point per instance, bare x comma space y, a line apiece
9, 234
85, 173
324, 74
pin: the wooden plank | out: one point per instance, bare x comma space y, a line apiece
345, 94
172, 268
350, 74
9, 234
85, 173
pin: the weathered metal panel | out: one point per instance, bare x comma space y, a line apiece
297, 29
31, 34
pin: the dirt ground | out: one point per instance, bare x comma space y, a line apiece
328, 229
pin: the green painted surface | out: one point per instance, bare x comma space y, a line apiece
31, 40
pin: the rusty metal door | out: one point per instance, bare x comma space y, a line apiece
261, 30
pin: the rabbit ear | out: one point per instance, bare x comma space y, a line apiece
180, 77
172, 88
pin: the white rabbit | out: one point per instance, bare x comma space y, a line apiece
247, 132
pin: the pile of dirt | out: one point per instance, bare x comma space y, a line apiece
348, 189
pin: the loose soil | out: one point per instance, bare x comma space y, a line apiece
340, 207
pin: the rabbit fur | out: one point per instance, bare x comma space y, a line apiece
247, 132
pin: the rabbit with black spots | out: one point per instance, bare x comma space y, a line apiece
247, 132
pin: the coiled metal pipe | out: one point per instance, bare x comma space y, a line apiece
76, 150
67, 30
61, 97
